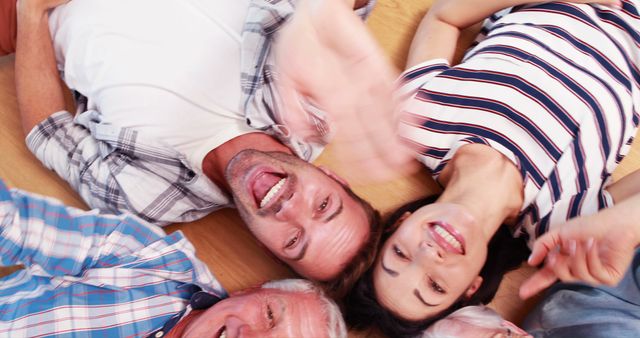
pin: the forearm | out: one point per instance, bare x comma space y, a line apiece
625, 187
438, 33
626, 196
38, 86
625, 213
358, 3
631, 214
36, 231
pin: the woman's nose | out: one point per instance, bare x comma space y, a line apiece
432, 250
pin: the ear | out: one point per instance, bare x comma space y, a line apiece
475, 285
399, 221
333, 175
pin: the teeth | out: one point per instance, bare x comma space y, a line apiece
272, 192
223, 334
447, 237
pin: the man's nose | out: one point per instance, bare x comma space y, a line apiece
431, 251
235, 328
290, 208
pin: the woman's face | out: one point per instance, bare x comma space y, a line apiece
433, 258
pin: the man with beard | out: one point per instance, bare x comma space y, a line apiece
95, 275
168, 130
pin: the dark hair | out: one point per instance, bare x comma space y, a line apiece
341, 284
362, 309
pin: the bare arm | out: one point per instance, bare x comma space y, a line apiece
38, 86
438, 33
626, 187
358, 3
595, 249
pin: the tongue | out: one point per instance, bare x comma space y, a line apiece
263, 183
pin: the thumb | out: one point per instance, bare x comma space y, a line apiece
575, 229
543, 246
291, 111
539, 281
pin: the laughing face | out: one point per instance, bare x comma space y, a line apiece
433, 258
262, 313
300, 212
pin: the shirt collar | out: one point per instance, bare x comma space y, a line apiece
200, 300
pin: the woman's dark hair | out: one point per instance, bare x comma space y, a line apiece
362, 309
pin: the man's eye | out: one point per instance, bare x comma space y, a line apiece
399, 252
292, 242
436, 287
270, 317
324, 204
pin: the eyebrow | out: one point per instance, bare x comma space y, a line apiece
417, 294
302, 252
335, 213
415, 291
387, 270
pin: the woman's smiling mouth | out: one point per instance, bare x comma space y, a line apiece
447, 237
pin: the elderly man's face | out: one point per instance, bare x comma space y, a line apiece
298, 211
262, 313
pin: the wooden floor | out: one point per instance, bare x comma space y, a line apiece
221, 239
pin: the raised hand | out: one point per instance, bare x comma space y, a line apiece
326, 56
594, 249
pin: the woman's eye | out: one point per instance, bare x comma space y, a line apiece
324, 204
436, 287
292, 242
270, 317
399, 252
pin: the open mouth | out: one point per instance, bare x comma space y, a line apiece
447, 237
266, 186
222, 333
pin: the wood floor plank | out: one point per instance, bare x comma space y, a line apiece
221, 240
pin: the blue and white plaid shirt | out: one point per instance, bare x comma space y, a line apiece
88, 274
116, 169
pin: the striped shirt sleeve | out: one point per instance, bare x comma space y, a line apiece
415, 77
41, 232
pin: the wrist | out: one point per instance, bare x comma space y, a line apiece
28, 11
624, 214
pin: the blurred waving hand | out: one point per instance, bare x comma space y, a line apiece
326, 57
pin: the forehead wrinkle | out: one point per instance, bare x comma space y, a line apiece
341, 239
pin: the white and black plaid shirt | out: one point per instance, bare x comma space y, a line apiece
116, 169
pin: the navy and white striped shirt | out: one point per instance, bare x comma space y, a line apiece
554, 87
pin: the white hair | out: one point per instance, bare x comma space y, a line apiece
336, 327
476, 316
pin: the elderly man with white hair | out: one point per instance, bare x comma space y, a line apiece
477, 321
90, 274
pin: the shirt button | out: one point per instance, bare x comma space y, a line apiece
159, 334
